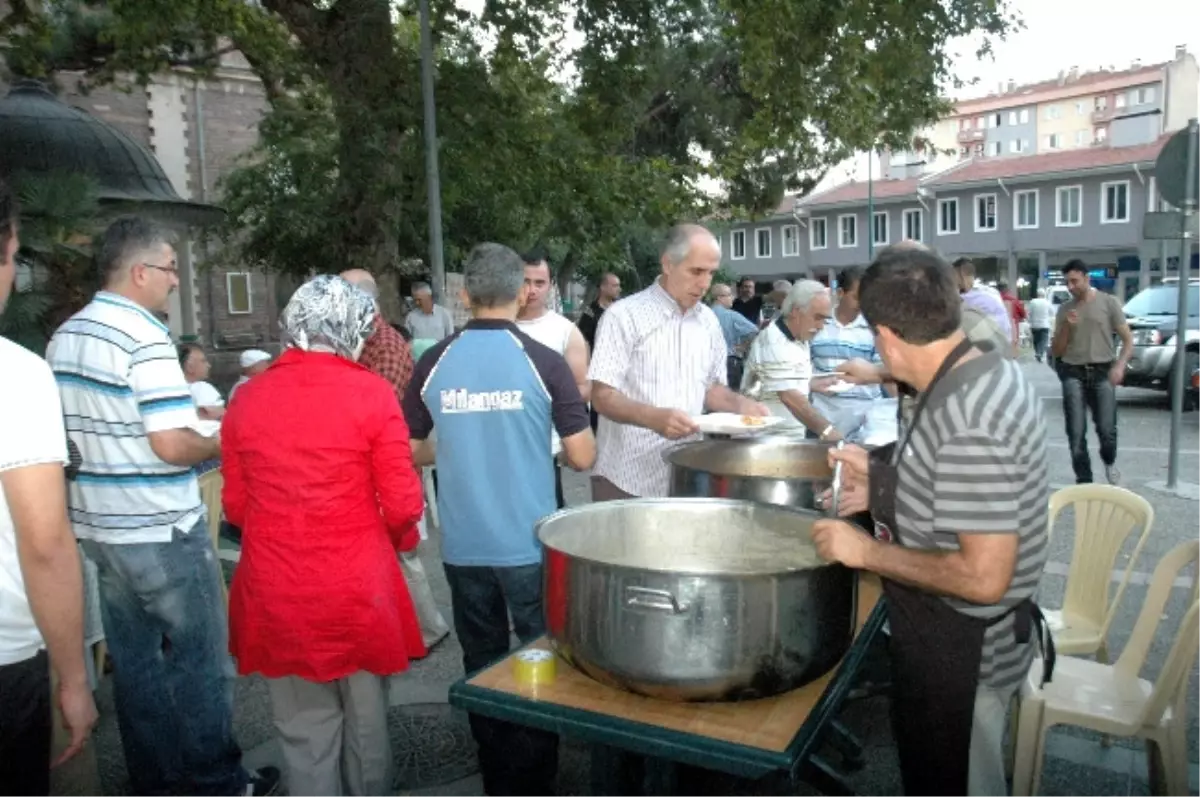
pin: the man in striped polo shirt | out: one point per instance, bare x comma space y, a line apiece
962, 499
136, 508
659, 361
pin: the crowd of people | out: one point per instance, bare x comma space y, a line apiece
322, 451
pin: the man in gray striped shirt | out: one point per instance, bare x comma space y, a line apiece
959, 506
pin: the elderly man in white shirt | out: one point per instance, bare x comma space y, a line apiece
659, 362
782, 358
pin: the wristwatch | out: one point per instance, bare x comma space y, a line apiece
825, 432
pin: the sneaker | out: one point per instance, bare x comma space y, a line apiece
1112, 474
263, 781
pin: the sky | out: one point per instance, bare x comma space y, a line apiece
1059, 34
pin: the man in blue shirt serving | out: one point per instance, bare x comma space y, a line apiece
494, 394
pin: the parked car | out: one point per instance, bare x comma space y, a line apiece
1152, 318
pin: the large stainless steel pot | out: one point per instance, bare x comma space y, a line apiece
782, 470
694, 598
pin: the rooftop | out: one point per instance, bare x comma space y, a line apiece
1068, 84
1048, 163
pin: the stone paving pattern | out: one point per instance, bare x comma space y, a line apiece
443, 761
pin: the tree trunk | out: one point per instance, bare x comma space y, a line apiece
354, 43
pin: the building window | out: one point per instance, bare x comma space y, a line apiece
818, 234
1024, 116
1102, 103
964, 124
1081, 108
1068, 206
913, 224
237, 288
1119, 100
1025, 210
1018, 145
1101, 134
1012, 117
791, 240
737, 244
985, 212
1054, 141
847, 231
1114, 202
879, 228
947, 217
1145, 95
1053, 111
979, 148
994, 147
978, 122
1081, 138
762, 242
994, 120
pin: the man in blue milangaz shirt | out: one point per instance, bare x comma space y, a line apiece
494, 394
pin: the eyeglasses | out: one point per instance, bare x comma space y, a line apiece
171, 269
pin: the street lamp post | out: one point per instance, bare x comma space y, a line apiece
871, 204
433, 187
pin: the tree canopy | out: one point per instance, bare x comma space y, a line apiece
575, 125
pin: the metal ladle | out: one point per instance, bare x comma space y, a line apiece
835, 493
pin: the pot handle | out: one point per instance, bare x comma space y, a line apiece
658, 599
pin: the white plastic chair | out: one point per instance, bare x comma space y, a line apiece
1105, 516
1113, 699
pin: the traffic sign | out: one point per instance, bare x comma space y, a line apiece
1171, 171
1169, 225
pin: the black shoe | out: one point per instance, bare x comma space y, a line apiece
263, 781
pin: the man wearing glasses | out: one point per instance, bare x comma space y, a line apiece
135, 506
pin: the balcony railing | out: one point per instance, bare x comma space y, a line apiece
1102, 114
966, 136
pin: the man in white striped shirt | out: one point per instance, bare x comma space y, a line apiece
659, 361
136, 508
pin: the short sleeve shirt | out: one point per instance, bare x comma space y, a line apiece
205, 395
976, 464
655, 353
494, 395
119, 379
32, 435
1092, 340
784, 362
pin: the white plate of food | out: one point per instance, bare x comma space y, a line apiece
732, 423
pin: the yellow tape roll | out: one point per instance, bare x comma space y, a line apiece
535, 667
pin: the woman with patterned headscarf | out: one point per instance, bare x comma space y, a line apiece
319, 476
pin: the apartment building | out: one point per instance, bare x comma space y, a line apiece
1021, 200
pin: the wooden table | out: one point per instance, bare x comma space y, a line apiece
749, 739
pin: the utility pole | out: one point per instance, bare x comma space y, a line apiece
1180, 376
870, 205
433, 188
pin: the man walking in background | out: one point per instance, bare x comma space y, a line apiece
747, 303
1041, 314
982, 298
41, 581
1090, 369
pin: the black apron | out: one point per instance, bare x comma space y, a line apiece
935, 649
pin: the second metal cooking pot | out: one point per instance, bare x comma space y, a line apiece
694, 599
782, 470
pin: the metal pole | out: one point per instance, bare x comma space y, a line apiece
433, 187
871, 205
1181, 319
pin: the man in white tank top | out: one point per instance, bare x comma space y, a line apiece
556, 332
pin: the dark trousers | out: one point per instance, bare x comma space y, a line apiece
513, 759
25, 726
1041, 337
560, 500
1086, 388
733, 372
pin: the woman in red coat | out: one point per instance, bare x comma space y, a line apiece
319, 477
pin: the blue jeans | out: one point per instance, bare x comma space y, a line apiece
1086, 387
513, 759
174, 700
